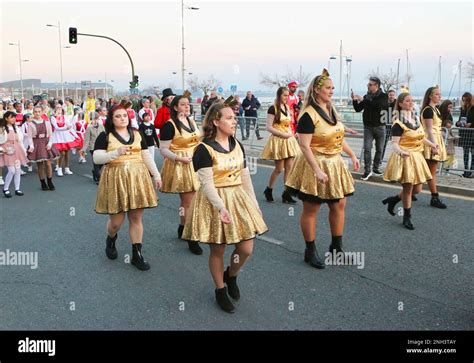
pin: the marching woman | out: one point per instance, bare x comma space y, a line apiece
431, 121
224, 210
281, 145
42, 150
125, 186
319, 174
179, 136
406, 164
12, 152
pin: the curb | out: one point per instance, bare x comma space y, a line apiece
442, 188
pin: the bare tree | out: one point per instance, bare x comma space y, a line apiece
388, 80
205, 86
276, 80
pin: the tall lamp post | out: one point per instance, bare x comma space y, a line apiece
20, 61
182, 40
60, 56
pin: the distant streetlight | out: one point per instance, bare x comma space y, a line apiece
60, 55
20, 61
182, 40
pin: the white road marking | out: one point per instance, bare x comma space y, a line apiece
270, 240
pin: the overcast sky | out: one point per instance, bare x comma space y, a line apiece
236, 40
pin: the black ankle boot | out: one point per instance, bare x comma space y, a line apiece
231, 282
268, 194
44, 186
414, 198
336, 244
194, 247
50, 184
286, 197
224, 301
392, 202
406, 219
311, 256
180, 230
137, 258
110, 249
436, 202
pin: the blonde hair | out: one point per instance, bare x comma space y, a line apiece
310, 98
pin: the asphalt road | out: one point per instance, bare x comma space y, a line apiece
411, 280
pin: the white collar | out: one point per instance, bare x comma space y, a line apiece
38, 121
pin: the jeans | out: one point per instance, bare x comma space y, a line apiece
388, 136
241, 121
466, 157
97, 167
371, 133
253, 120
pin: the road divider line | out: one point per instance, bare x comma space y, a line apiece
270, 240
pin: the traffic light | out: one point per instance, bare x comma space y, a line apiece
134, 83
73, 35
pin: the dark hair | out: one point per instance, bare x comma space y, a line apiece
469, 99
277, 103
426, 98
26, 117
109, 123
174, 113
125, 103
3, 121
445, 114
391, 90
146, 114
376, 80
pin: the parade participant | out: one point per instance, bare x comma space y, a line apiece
63, 139
281, 145
406, 164
102, 111
431, 121
179, 137
149, 131
127, 104
80, 127
94, 129
319, 174
89, 105
29, 108
293, 101
145, 109
69, 108
24, 129
164, 113
226, 198
42, 150
125, 186
12, 152
18, 106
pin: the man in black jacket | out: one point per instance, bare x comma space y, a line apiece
375, 105
250, 105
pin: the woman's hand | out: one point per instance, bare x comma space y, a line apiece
404, 154
225, 216
287, 135
184, 159
122, 150
355, 163
435, 148
157, 183
321, 177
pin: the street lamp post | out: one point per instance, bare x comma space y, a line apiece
19, 61
329, 63
182, 40
60, 56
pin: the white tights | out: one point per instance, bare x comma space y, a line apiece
13, 174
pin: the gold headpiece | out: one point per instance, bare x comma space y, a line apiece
231, 101
186, 94
322, 78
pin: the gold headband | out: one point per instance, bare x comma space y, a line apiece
322, 78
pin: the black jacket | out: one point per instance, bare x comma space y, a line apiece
373, 109
253, 103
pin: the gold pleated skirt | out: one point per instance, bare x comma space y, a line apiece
124, 187
203, 221
412, 169
303, 183
428, 152
279, 148
179, 177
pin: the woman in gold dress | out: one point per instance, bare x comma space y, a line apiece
179, 136
125, 186
224, 210
319, 174
431, 121
281, 145
406, 164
